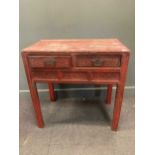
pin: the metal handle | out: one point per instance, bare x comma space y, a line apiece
51, 62
97, 62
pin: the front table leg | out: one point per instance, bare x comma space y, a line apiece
36, 104
117, 107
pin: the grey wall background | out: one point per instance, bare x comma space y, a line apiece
57, 19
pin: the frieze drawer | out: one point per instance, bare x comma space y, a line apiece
98, 61
50, 61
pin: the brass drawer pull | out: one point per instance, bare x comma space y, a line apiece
50, 62
97, 62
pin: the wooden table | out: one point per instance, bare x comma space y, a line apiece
86, 61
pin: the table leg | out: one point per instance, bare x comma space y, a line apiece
33, 92
109, 94
36, 104
51, 91
117, 107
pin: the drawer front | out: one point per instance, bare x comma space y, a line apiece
98, 61
50, 61
72, 76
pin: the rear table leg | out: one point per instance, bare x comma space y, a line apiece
51, 91
109, 94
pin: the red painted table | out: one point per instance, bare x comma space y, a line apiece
87, 61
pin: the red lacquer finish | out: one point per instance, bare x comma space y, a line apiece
33, 92
51, 91
109, 94
86, 61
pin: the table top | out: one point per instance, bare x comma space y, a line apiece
78, 45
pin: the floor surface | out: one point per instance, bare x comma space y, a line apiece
76, 126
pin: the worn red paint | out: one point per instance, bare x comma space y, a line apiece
91, 61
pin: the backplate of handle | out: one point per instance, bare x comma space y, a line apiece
50, 62
97, 62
